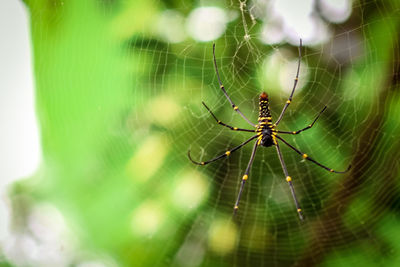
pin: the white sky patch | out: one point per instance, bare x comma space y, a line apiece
170, 26
20, 152
19, 136
49, 241
336, 11
293, 13
288, 20
272, 33
313, 32
206, 23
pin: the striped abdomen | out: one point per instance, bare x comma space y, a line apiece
265, 129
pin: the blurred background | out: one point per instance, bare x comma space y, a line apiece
101, 100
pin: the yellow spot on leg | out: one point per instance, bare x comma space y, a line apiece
235, 128
235, 108
331, 170
221, 86
305, 156
288, 178
202, 163
299, 210
294, 132
245, 177
288, 101
236, 207
227, 153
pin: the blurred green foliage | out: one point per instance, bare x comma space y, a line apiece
118, 109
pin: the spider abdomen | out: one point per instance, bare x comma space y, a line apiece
265, 127
266, 137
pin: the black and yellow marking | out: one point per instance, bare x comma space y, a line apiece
259, 140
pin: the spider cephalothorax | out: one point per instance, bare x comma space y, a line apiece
266, 135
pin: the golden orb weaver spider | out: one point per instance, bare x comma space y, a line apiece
266, 135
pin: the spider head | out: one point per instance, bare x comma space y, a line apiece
263, 96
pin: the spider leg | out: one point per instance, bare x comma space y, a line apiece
227, 153
289, 180
294, 88
306, 128
226, 125
305, 156
235, 108
245, 177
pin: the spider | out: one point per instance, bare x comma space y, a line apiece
266, 135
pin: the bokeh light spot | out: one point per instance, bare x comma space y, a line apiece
279, 72
190, 190
222, 236
170, 26
336, 11
148, 158
147, 219
206, 23
164, 110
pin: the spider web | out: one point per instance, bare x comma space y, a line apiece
126, 158
343, 216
